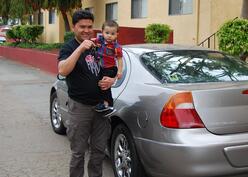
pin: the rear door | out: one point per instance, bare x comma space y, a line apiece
62, 97
120, 84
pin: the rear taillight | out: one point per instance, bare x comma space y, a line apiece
245, 92
179, 112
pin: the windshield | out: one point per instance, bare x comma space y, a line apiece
191, 66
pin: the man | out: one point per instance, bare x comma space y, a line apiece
77, 62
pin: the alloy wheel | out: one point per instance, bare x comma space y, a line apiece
122, 156
56, 117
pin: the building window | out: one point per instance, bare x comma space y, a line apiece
31, 19
111, 11
90, 9
139, 9
180, 7
40, 18
51, 16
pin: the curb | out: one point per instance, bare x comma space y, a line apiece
39, 59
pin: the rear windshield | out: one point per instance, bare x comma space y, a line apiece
187, 66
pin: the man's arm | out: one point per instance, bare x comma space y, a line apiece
106, 82
66, 66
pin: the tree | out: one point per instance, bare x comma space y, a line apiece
35, 4
63, 6
4, 10
20, 9
244, 13
233, 37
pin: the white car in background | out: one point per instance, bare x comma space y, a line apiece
3, 31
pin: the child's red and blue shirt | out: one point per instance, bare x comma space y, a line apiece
108, 52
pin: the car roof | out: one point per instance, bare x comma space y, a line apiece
143, 48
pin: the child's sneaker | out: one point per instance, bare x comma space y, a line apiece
109, 112
100, 107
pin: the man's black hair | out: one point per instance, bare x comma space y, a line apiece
80, 15
110, 23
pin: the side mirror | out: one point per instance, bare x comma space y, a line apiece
59, 77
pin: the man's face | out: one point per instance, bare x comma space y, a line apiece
110, 33
83, 29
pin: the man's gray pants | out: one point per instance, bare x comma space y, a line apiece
85, 123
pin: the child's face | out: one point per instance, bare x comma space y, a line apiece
110, 33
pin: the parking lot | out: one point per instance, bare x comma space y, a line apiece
29, 147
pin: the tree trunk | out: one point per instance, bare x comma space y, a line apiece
244, 13
66, 21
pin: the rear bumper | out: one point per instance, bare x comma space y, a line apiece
193, 153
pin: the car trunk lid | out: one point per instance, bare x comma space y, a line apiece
222, 107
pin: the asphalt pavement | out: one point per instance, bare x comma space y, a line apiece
28, 145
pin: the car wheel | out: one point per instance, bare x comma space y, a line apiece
124, 156
55, 116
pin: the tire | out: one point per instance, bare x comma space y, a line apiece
55, 116
124, 155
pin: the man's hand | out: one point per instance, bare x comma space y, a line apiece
106, 82
66, 66
86, 44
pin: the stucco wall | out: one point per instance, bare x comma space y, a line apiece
223, 10
206, 19
213, 13
52, 30
183, 25
53, 33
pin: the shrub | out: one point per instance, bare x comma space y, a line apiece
10, 34
30, 33
26, 33
233, 37
157, 33
68, 36
14, 33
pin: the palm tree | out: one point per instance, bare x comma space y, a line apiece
244, 13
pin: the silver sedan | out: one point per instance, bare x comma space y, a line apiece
181, 112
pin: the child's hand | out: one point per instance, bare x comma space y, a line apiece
119, 75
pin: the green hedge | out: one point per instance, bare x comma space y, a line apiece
68, 36
233, 37
39, 46
14, 33
26, 33
157, 33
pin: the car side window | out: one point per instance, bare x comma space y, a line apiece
124, 71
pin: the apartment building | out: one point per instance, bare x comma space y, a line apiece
192, 21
